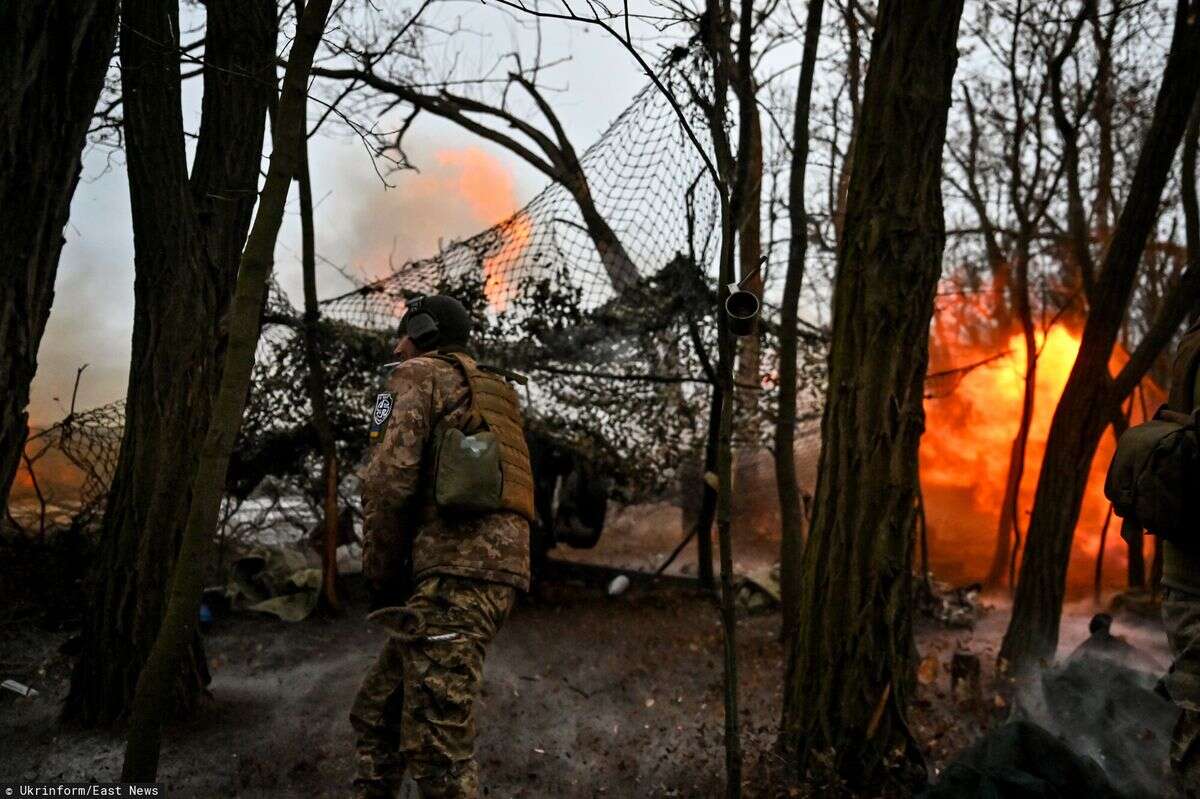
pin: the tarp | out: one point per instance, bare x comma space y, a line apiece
1092, 727
275, 580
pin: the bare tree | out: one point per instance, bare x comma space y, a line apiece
189, 227
169, 655
550, 152
792, 516
850, 664
1010, 189
53, 58
1092, 397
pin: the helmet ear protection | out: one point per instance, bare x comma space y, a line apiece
420, 326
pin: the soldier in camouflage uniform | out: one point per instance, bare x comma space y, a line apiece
415, 710
1181, 596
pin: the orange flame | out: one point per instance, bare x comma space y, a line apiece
499, 267
966, 448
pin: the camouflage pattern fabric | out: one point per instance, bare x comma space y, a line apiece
396, 491
416, 707
1181, 617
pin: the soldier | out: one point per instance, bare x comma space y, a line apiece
1181, 596
469, 556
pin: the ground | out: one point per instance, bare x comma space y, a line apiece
587, 695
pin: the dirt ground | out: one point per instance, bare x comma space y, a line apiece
586, 695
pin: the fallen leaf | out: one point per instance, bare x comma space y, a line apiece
927, 672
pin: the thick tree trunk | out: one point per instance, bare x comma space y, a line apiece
188, 232
791, 511
154, 688
53, 57
1091, 396
850, 664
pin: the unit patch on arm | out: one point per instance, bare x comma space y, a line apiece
383, 410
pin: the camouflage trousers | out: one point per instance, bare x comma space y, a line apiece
415, 711
1181, 617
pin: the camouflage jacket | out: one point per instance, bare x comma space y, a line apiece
397, 491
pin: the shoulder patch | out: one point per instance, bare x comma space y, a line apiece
382, 412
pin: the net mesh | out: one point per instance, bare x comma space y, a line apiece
615, 339
649, 185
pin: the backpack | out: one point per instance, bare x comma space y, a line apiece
1154, 478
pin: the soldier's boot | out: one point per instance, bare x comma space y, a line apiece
380, 767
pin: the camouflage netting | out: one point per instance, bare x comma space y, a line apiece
622, 376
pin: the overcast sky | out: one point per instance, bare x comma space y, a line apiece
464, 185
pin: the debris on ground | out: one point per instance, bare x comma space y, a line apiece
966, 680
275, 580
958, 608
18, 688
758, 591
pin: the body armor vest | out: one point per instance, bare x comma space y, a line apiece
493, 407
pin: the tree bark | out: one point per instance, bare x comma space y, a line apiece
708, 501
315, 370
154, 689
53, 57
791, 511
850, 665
747, 200
1091, 395
717, 43
188, 232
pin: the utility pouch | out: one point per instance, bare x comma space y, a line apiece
468, 478
1154, 478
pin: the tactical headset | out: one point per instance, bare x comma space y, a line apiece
420, 326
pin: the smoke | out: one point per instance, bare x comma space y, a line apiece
91, 319
458, 192
1101, 701
360, 224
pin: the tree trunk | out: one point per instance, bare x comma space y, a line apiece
716, 40
749, 234
621, 270
1010, 506
188, 232
791, 511
708, 501
850, 664
1091, 396
154, 688
53, 57
315, 372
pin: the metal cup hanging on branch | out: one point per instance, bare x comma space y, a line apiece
743, 306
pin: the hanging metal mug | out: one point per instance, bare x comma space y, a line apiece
743, 306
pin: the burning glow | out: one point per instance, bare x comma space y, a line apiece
972, 418
458, 193
498, 268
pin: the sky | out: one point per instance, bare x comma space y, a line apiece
464, 184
